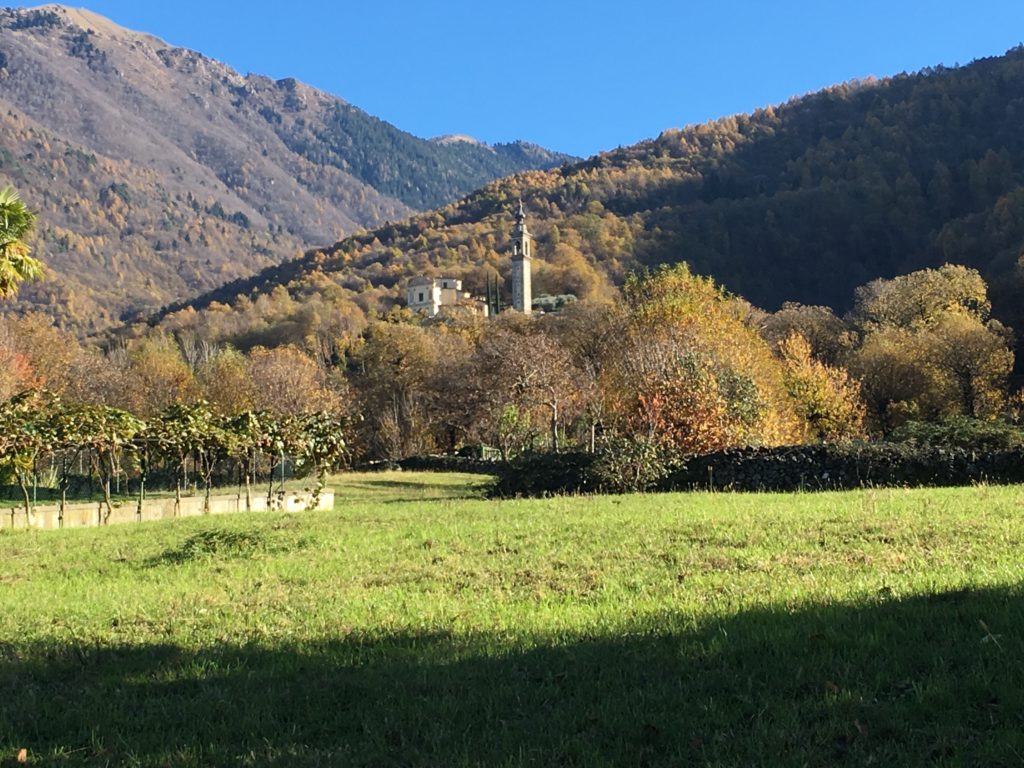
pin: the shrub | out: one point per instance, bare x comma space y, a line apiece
962, 432
545, 474
633, 464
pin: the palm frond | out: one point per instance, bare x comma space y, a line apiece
16, 220
16, 265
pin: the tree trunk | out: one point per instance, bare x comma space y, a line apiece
107, 472
142, 496
63, 491
107, 503
143, 467
248, 485
254, 467
270, 488
177, 494
23, 482
207, 481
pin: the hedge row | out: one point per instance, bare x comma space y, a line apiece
810, 467
844, 467
451, 464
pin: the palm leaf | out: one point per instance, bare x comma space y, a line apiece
16, 265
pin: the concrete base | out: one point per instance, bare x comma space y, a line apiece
94, 514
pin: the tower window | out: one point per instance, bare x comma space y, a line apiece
421, 296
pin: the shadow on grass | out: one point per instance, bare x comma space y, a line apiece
923, 681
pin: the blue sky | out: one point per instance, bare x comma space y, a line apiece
575, 76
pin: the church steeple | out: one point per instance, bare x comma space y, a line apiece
522, 256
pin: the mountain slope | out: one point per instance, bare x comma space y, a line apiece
276, 162
803, 202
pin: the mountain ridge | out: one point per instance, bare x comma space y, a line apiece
285, 162
90, 20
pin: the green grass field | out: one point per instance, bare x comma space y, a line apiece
420, 625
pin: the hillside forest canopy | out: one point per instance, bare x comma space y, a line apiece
675, 367
802, 202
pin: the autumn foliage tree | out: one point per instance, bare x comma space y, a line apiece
16, 371
827, 398
973, 360
929, 348
829, 337
526, 376
691, 374
392, 369
591, 333
286, 381
226, 382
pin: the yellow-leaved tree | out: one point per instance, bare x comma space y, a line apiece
826, 397
690, 375
929, 348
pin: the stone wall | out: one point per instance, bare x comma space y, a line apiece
790, 468
91, 514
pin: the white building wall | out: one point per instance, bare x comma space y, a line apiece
522, 288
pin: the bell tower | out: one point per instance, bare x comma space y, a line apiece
522, 258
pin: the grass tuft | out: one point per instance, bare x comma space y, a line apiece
213, 543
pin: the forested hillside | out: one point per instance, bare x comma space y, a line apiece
800, 202
159, 173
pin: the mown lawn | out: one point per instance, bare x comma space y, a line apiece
420, 625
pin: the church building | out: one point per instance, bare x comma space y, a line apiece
432, 295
